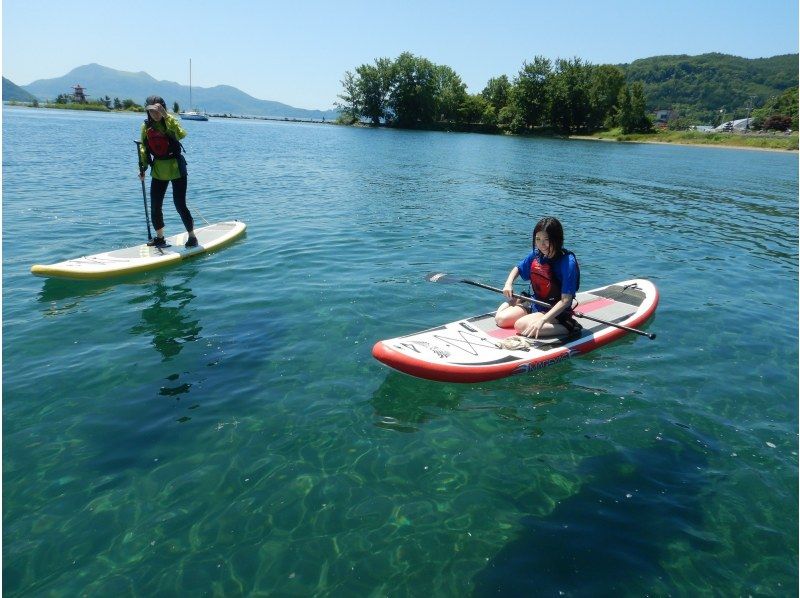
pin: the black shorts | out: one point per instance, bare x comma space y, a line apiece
565, 318
568, 321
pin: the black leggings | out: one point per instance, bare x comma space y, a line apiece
158, 189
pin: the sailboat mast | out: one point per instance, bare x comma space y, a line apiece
192, 113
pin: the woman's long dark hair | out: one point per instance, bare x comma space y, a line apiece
554, 231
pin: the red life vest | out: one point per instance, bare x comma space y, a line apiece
161, 145
545, 284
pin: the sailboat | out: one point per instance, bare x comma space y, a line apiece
192, 113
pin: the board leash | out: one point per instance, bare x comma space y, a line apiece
193, 209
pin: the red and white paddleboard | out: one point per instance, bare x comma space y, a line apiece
469, 350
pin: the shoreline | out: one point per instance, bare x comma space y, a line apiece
684, 144
176, 115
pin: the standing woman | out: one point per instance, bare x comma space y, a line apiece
161, 149
555, 276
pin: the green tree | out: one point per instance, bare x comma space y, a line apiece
624, 116
490, 115
509, 117
531, 91
497, 92
568, 91
782, 105
375, 82
350, 105
175, 108
679, 123
606, 81
641, 122
413, 98
473, 109
451, 94
117, 104
631, 111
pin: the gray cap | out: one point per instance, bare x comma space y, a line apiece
153, 103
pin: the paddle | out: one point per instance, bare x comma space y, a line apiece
444, 278
144, 197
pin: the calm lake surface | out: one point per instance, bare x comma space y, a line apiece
220, 427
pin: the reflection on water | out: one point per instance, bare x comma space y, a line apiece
175, 388
55, 290
612, 536
168, 317
404, 404
65, 296
164, 308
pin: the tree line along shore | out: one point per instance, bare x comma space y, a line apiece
565, 97
129, 105
66, 101
756, 139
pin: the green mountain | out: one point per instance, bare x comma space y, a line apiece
100, 81
13, 92
698, 87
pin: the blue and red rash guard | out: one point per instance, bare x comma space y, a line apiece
550, 278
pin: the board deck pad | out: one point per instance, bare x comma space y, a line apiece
469, 350
143, 257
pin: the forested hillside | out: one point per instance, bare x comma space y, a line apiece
698, 87
14, 93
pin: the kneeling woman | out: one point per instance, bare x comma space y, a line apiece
554, 275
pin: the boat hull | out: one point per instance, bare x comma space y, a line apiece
193, 116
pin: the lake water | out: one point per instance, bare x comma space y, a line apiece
220, 427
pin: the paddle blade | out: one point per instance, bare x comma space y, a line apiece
441, 277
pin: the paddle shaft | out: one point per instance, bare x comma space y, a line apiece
144, 196
649, 335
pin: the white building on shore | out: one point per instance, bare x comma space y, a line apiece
742, 124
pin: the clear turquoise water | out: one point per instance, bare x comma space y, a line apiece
220, 427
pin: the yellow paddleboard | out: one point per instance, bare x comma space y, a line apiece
143, 257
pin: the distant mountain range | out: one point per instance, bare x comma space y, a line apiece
100, 81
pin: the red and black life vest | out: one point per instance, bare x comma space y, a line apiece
161, 145
545, 283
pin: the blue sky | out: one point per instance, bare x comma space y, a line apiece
297, 53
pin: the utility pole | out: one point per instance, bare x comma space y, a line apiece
750, 102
